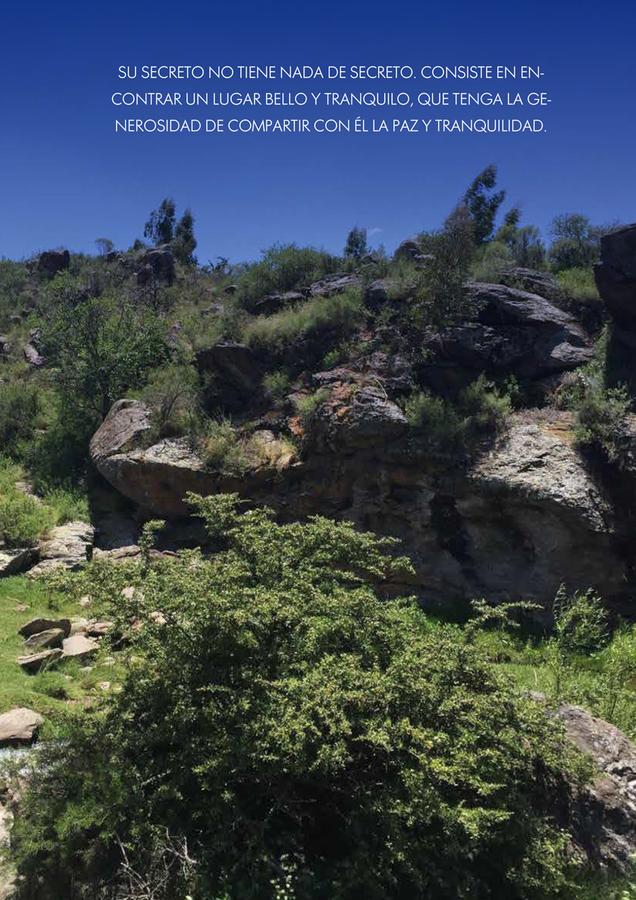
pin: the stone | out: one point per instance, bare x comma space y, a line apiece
35, 662
33, 357
602, 815
67, 546
534, 282
53, 261
5, 345
79, 647
19, 727
78, 625
37, 626
12, 562
157, 264
411, 251
334, 284
616, 275
52, 637
98, 629
237, 372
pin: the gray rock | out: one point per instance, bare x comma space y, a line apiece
19, 727
34, 662
411, 251
12, 562
33, 357
616, 275
53, 261
52, 637
79, 647
156, 264
603, 814
67, 546
37, 626
334, 284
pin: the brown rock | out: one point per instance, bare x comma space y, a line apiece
79, 647
52, 637
37, 661
37, 626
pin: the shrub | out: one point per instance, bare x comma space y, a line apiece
293, 729
308, 406
580, 622
579, 284
277, 384
172, 393
601, 418
284, 267
222, 450
493, 259
456, 428
19, 414
338, 313
23, 519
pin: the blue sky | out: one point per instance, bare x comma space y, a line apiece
68, 179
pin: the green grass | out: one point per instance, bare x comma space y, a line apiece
52, 692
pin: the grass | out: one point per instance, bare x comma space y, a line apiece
340, 312
579, 284
54, 692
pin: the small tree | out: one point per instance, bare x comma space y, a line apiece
356, 245
576, 242
483, 202
185, 242
104, 246
160, 227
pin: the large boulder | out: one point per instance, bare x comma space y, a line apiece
19, 727
509, 332
602, 815
156, 265
53, 261
616, 275
12, 562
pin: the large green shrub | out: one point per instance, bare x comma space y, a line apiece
20, 409
284, 267
282, 731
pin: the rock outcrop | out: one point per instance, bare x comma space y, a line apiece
67, 546
53, 261
526, 517
602, 815
156, 265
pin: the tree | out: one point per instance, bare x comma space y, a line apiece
281, 730
483, 202
576, 242
184, 240
356, 245
100, 348
524, 242
104, 246
160, 226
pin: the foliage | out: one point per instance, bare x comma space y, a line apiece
20, 410
161, 224
576, 242
308, 406
580, 622
579, 284
22, 518
222, 449
282, 268
492, 261
483, 202
338, 313
524, 243
277, 384
172, 392
291, 728
356, 245
185, 242
455, 428
101, 348
601, 418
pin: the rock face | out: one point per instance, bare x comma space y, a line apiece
525, 518
156, 264
53, 261
67, 546
616, 275
511, 332
238, 374
603, 814
19, 727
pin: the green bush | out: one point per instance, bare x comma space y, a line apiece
222, 449
277, 384
339, 313
580, 622
492, 260
601, 415
23, 519
172, 393
20, 410
292, 731
456, 427
579, 284
284, 267
308, 406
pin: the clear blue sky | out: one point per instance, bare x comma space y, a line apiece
68, 179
